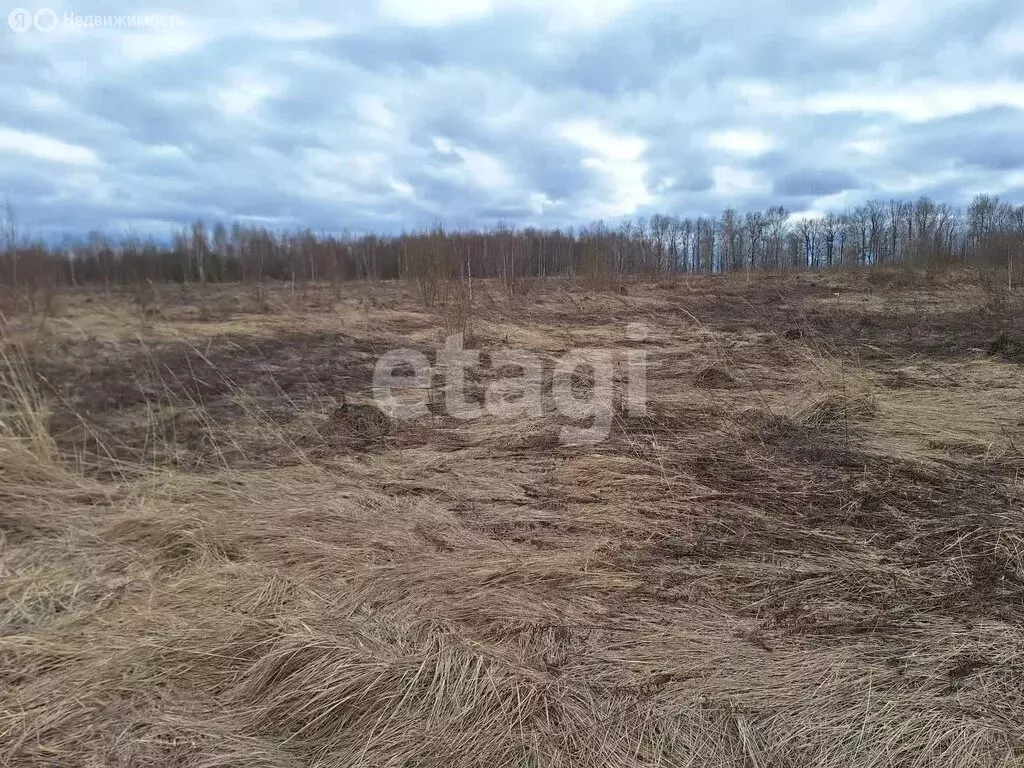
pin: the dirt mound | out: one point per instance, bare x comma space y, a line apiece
714, 377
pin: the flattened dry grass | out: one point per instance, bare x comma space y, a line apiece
786, 561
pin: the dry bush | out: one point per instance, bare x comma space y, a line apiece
23, 412
517, 288
995, 290
261, 299
598, 271
44, 300
898, 278
428, 287
456, 309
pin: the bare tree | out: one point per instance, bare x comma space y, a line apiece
755, 224
199, 248
810, 229
830, 226
10, 236
876, 230
777, 218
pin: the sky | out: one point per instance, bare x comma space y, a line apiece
397, 114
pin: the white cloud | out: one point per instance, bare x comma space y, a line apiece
296, 29
149, 45
919, 183
562, 17
45, 148
742, 142
732, 182
872, 147
374, 112
242, 93
618, 158
591, 135
922, 101
871, 19
486, 170
574, 15
403, 188
883, 20
1009, 39
419, 13
755, 91
476, 169
346, 168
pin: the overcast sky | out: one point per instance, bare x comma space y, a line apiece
392, 115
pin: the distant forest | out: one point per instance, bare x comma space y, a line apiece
988, 233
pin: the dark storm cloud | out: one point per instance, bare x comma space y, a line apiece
989, 138
625, 59
813, 183
397, 115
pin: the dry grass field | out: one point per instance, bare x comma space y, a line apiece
809, 552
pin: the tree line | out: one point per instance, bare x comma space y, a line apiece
988, 233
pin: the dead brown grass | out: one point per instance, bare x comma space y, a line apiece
808, 552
